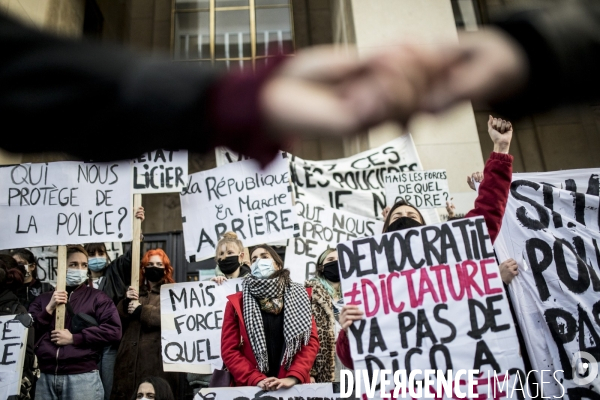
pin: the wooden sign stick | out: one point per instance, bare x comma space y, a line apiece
61, 284
135, 243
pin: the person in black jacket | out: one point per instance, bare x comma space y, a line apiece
12, 278
113, 278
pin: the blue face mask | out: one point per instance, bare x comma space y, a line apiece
76, 277
96, 264
262, 268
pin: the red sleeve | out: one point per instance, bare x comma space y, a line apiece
243, 371
493, 192
342, 348
304, 360
236, 115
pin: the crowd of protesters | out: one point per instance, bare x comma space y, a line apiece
276, 333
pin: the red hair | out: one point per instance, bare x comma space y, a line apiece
165, 260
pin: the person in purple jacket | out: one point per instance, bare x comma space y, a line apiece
68, 358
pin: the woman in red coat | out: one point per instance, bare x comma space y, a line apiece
490, 204
257, 313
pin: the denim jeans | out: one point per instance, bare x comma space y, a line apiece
106, 366
69, 387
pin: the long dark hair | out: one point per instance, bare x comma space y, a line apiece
29, 257
12, 275
399, 203
93, 248
162, 390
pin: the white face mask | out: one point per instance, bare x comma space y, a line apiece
263, 268
76, 276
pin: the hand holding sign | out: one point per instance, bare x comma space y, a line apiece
62, 337
58, 297
349, 314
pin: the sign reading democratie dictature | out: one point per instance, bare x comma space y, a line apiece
436, 315
160, 171
191, 320
238, 197
423, 189
354, 184
322, 227
65, 202
315, 391
551, 229
12, 351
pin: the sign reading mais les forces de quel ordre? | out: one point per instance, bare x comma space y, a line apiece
65, 202
433, 300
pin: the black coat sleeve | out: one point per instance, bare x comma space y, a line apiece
118, 277
82, 90
563, 47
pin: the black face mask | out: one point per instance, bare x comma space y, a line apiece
331, 271
154, 274
403, 223
229, 265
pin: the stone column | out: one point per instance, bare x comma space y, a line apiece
449, 141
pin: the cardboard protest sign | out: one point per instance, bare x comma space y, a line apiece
551, 229
433, 300
191, 321
160, 171
315, 391
12, 350
423, 189
65, 202
47, 257
255, 204
322, 227
354, 184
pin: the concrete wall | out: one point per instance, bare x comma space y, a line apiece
449, 141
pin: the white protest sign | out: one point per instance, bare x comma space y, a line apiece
552, 233
160, 171
12, 355
240, 197
191, 320
65, 202
322, 227
422, 189
47, 260
433, 300
354, 184
315, 391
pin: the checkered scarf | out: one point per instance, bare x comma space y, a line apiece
297, 317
